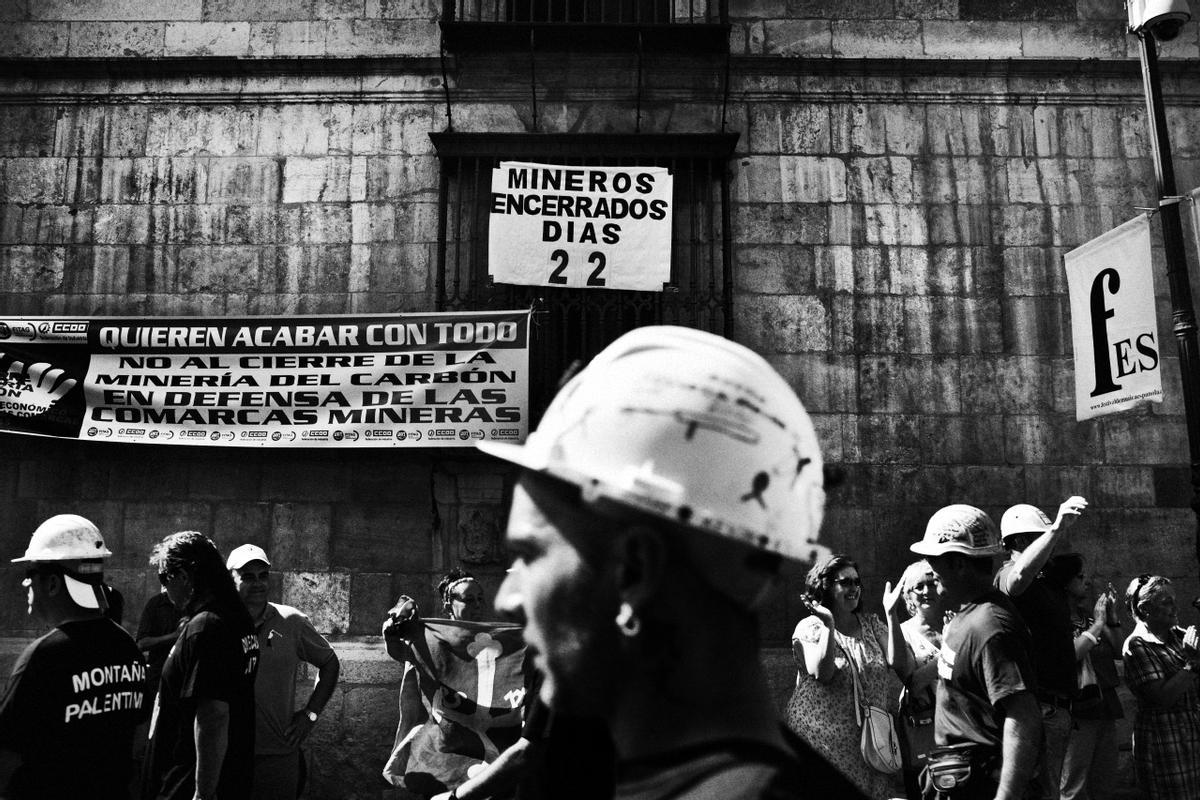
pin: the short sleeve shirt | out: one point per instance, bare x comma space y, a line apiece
985, 659
286, 638
159, 617
735, 770
1047, 613
215, 658
1149, 659
72, 703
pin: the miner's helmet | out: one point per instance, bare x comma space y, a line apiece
1023, 518
962, 529
73, 544
691, 428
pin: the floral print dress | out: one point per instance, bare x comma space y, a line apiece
823, 713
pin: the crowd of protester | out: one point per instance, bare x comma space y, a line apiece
1008, 674
623, 657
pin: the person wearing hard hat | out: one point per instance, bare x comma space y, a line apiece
987, 715
286, 639
664, 488
1030, 539
202, 731
76, 694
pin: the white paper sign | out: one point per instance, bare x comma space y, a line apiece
1113, 324
580, 227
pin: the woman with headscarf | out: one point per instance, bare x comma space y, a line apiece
1161, 669
834, 647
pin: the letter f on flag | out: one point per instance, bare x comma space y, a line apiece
1101, 313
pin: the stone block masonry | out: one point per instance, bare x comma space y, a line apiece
908, 176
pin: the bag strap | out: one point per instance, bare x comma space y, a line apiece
852, 665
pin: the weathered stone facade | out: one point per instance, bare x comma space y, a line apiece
908, 175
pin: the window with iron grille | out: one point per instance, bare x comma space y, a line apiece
651, 25
574, 324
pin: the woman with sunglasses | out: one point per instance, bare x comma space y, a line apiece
1161, 663
833, 646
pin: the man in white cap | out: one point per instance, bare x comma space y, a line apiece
286, 637
1031, 539
986, 712
663, 489
76, 694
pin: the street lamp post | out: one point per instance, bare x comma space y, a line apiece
1154, 21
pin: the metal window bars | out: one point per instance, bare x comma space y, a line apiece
575, 324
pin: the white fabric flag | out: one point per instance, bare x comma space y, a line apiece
580, 227
1113, 324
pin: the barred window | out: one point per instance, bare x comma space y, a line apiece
693, 26
575, 324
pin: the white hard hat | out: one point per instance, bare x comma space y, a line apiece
690, 427
241, 556
72, 538
961, 529
65, 537
1023, 518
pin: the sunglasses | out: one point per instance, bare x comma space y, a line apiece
848, 582
34, 572
165, 577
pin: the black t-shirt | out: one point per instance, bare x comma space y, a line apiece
73, 701
735, 770
575, 757
985, 659
1047, 612
215, 658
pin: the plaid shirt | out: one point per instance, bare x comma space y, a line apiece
1166, 739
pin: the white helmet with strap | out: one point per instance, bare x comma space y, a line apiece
692, 428
77, 541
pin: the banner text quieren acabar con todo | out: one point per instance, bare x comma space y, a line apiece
409, 380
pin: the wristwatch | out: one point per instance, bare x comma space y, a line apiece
312, 715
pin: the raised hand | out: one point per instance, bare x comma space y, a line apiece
1071, 508
891, 597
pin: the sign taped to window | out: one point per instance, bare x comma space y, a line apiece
580, 227
397, 380
1113, 324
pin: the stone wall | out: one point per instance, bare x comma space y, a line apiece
908, 176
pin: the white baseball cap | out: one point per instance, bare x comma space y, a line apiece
241, 556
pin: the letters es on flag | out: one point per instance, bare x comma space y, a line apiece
580, 227
1113, 323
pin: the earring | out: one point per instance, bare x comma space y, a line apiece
627, 621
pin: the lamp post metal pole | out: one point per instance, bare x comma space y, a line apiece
1182, 312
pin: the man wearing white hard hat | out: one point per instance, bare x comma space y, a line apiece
987, 716
286, 638
76, 694
1030, 539
662, 491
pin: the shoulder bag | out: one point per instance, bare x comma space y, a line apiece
879, 743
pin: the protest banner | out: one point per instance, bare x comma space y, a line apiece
406, 380
460, 701
1113, 324
580, 227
